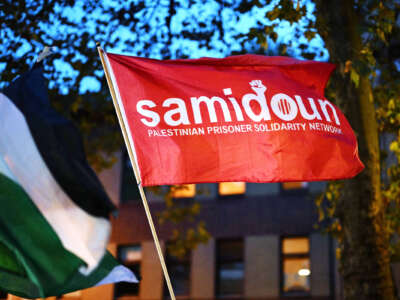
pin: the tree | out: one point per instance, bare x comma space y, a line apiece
361, 209
362, 39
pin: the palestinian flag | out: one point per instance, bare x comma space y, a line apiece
54, 225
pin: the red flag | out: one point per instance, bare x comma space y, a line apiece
241, 118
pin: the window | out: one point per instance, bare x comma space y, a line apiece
295, 266
231, 188
179, 271
130, 257
294, 185
183, 191
294, 188
230, 268
129, 188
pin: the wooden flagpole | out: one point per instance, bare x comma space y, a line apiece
135, 169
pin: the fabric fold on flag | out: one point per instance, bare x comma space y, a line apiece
59, 143
54, 225
245, 118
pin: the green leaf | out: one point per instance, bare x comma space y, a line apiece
273, 14
355, 78
309, 34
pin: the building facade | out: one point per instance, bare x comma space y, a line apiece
263, 245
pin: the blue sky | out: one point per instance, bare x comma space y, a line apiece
152, 14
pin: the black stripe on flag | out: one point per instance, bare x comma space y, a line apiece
59, 143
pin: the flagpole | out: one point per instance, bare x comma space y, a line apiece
135, 170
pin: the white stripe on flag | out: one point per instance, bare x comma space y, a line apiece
119, 273
4, 169
84, 235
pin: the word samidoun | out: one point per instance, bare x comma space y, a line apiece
282, 105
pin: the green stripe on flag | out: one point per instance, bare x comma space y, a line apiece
33, 262
9, 262
79, 281
34, 243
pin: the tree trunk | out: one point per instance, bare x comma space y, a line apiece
365, 258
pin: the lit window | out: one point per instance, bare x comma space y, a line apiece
230, 268
296, 266
232, 188
294, 185
130, 256
295, 245
183, 191
179, 270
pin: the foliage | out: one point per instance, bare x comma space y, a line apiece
327, 205
183, 214
362, 38
379, 59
